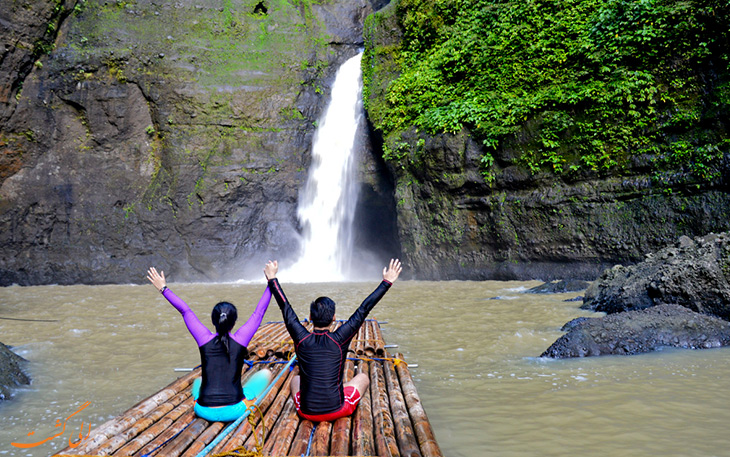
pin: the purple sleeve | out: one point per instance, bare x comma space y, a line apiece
245, 333
201, 334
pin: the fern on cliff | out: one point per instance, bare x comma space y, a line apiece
572, 85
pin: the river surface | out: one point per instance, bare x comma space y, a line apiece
483, 387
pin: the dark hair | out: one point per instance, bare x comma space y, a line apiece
322, 311
224, 317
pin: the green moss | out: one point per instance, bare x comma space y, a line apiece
207, 66
291, 113
128, 210
219, 45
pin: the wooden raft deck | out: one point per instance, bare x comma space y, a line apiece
389, 421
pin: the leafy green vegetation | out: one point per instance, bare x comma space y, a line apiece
572, 86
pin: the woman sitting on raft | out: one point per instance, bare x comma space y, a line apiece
218, 394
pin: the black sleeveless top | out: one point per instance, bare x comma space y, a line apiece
221, 384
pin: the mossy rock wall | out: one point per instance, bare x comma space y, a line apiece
456, 223
174, 133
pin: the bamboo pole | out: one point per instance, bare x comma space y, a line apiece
264, 330
242, 432
119, 440
359, 348
321, 439
271, 415
178, 444
272, 340
379, 340
270, 337
407, 442
114, 426
158, 427
261, 336
340, 444
367, 335
281, 341
301, 439
384, 433
286, 427
166, 434
421, 425
268, 340
287, 348
362, 422
201, 441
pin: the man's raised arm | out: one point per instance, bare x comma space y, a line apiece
390, 275
295, 328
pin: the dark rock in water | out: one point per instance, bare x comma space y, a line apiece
640, 331
558, 287
570, 325
693, 273
11, 374
578, 298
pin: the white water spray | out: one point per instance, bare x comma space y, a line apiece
327, 203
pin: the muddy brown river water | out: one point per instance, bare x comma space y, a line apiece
485, 390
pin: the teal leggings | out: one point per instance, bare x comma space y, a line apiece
254, 386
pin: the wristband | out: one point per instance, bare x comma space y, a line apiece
164, 288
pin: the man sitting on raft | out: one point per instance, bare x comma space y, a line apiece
318, 392
218, 394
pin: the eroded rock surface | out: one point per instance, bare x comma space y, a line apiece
11, 373
636, 332
692, 273
558, 287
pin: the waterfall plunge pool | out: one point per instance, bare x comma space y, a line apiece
481, 384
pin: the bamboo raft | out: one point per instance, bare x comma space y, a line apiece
389, 421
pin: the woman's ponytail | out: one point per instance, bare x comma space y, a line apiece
224, 317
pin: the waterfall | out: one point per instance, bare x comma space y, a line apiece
327, 202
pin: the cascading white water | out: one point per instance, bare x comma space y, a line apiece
327, 202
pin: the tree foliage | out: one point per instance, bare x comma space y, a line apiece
574, 85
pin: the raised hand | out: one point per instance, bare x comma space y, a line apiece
157, 279
393, 270
271, 268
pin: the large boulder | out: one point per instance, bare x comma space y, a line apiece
11, 374
640, 331
692, 273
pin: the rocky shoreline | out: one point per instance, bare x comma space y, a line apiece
677, 297
11, 372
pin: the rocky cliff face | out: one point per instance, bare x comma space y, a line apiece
176, 134
453, 224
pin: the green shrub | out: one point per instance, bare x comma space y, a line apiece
587, 84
